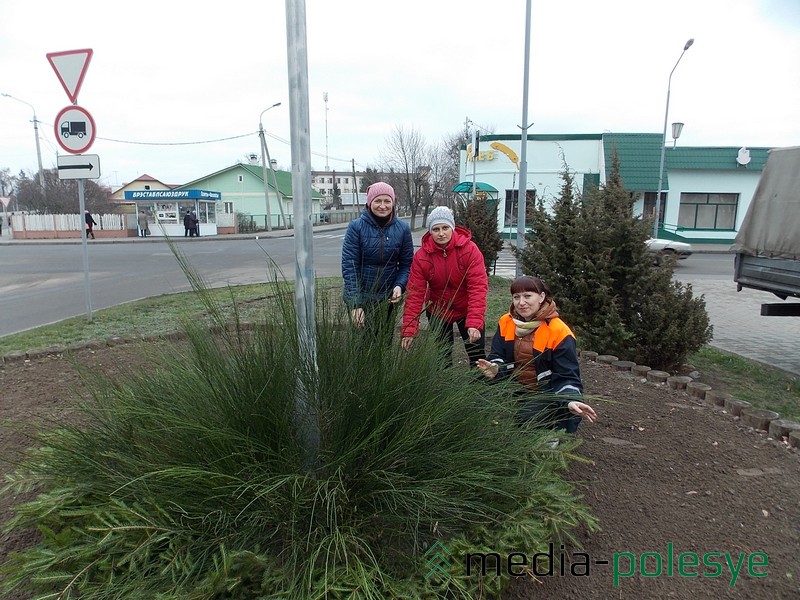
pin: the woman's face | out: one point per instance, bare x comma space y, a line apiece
527, 303
382, 205
442, 234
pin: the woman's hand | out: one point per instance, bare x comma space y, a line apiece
397, 294
357, 317
582, 410
474, 335
488, 369
406, 342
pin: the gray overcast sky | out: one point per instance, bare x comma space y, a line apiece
173, 71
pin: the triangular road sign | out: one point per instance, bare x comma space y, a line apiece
70, 66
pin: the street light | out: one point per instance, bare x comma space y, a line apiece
664, 141
264, 158
36, 133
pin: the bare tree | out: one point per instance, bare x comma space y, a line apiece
61, 195
405, 157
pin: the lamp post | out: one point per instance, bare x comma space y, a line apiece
676, 133
264, 159
664, 141
36, 134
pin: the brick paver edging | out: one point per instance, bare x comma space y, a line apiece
762, 421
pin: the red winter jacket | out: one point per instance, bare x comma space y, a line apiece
451, 282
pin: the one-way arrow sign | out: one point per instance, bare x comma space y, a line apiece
79, 166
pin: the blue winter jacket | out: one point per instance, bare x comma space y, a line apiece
375, 259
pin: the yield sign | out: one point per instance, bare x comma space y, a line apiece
70, 67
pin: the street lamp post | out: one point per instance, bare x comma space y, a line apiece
36, 134
664, 141
264, 159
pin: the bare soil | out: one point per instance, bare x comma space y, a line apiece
663, 470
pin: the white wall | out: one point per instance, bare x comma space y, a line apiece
545, 159
740, 182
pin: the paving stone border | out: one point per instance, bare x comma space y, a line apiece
762, 421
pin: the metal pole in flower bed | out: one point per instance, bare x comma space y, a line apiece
305, 293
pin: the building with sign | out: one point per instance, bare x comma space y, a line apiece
705, 190
165, 209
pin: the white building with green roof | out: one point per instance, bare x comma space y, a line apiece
705, 191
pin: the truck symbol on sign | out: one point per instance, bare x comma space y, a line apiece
69, 128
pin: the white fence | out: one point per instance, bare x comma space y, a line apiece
28, 222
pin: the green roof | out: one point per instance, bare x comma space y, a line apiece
284, 179
466, 186
709, 158
640, 154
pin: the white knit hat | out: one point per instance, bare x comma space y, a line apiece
439, 215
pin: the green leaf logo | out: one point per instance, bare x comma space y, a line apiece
438, 561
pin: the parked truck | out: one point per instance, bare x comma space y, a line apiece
768, 243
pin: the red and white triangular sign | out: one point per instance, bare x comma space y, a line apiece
70, 66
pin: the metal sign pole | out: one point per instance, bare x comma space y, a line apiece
87, 291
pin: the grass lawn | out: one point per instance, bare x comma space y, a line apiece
761, 385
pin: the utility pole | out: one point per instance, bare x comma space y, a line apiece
38, 148
264, 153
325, 97
355, 183
522, 195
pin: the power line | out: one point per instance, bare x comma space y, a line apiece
225, 139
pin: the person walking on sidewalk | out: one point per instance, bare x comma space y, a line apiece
141, 221
90, 223
376, 259
448, 282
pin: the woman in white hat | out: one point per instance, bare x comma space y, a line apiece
448, 282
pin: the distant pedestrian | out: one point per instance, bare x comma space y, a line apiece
194, 225
144, 227
187, 223
90, 223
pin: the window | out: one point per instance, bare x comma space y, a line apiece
338, 180
241, 178
708, 211
347, 180
147, 187
512, 206
227, 208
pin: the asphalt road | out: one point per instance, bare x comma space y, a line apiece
42, 283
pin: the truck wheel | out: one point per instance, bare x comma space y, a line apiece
80, 136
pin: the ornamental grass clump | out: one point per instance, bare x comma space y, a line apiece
196, 478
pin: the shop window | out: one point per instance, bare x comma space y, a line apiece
708, 211
512, 206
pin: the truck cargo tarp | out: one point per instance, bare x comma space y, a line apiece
771, 226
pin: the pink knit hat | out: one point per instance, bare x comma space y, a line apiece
379, 189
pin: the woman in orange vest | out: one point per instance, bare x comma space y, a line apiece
538, 348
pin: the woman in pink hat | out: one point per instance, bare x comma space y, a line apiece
376, 259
